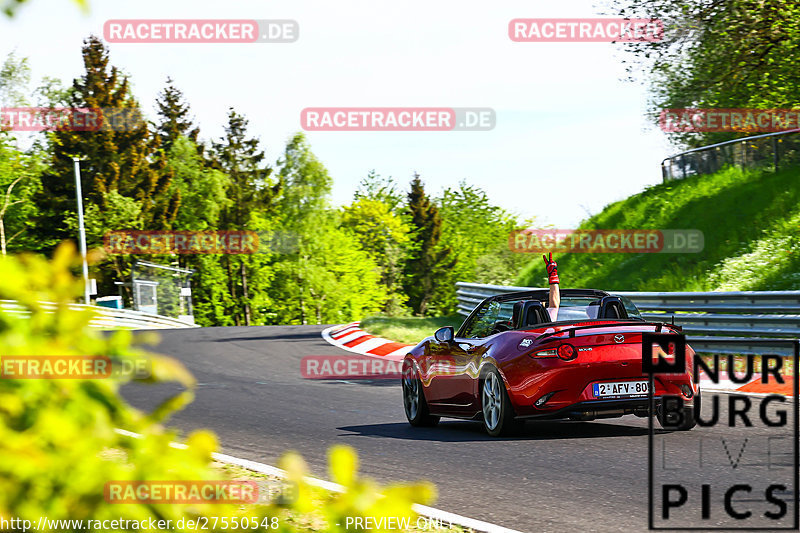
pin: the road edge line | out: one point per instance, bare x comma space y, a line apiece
424, 510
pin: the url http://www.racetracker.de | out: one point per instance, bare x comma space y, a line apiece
203, 523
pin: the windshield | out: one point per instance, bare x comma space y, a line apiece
586, 308
630, 307
496, 316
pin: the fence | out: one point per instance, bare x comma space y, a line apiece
771, 150
106, 318
162, 289
714, 322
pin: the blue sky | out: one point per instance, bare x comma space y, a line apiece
570, 135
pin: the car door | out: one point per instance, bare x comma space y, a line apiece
454, 366
451, 369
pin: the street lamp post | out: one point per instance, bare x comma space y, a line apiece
81, 230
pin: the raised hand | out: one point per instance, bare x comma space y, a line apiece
552, 269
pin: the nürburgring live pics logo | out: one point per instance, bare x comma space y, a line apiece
732, 472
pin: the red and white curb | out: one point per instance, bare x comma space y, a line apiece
352, 338
753, 387
442, 517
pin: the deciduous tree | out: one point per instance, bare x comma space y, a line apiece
719, 54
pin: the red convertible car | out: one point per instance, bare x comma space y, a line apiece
510, 362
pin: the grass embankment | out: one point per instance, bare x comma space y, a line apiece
750, 220
409, 330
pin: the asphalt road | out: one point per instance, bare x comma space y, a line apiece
556, 476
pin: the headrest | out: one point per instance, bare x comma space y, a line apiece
612, 307
516, 313
528, 313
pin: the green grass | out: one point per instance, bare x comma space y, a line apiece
750, 221
409, 330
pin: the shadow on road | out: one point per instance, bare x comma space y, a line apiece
394, 382
467, 431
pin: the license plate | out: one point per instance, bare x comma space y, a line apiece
620, 388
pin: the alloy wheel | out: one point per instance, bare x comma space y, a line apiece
491, 401
410, 394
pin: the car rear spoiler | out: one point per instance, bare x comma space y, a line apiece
571, 331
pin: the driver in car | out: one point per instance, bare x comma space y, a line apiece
555, 292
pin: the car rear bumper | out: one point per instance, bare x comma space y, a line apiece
594, 409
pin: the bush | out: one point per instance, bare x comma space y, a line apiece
58, 443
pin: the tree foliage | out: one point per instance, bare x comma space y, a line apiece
719, 54
384, 190
324, 275
121, 165
19, 183
477, 231
176, 120
15, 75
250, 191
427, 265
60, 441
317, 263
385, 236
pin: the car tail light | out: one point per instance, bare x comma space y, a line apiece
545, 353
567, 352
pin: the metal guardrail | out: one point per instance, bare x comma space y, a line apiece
769, 150
106, 318
714, 322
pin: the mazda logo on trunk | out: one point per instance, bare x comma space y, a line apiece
619, 338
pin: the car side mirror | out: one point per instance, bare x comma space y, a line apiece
445, 334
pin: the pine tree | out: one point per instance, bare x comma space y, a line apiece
175, 116
430, 258
120, 160
250, 191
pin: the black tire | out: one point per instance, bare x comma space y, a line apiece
414, 404
688, 420
498, 413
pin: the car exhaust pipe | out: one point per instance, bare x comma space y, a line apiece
587, 416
